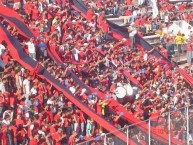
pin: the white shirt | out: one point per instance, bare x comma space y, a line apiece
133, 32
107, 62
2, 87
166, 18
31, 127
2, 48
50, 102
135, 12
6, 122
31, 47
41, 132
91, 24
75, 53
26, 84
33, 91
145, 56
87, 36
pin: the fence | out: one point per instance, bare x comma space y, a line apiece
176, 125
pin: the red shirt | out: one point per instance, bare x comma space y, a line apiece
189, 48
52, 130
28, 7
6, 98
98, 109
115, 122
14, 130
35, 13
1, 101
100, 20
89, 14
71, 140
81, 119
50, 115
98, 3
66, 122
105, 27
19, 122
127, 13
21, 135
15, 1
154, 116
129, 2
164, 52
6, 58
33, 141
56, 117
137, 22
182, 7
55, 137
4, 139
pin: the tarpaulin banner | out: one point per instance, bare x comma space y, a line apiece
117, 29
80, 6
187, 77
14, 19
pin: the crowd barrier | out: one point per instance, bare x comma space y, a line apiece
175, 125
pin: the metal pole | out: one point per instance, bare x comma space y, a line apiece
128, 135
187, 121
169, 129
149, 131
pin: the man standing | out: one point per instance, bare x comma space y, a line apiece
58, 137
31, 48
2, 100
189, 53
2, 51
132, 32
26, 88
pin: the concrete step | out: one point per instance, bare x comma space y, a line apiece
184, 65
181, 59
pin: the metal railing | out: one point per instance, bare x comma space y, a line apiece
176, 125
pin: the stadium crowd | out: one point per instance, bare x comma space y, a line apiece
32, 111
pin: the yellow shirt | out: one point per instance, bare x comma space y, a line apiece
183, 39
54, 21
103, 108
178, 39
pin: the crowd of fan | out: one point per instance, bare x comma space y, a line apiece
31, 112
